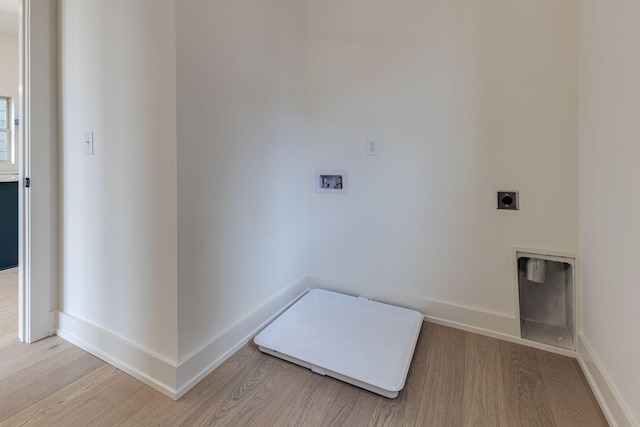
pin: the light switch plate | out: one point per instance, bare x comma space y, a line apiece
88, 143
372, 147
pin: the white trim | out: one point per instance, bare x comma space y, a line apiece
149, 367
549, 254
194, 367
37, 212
24, 200
612, 404
167, 376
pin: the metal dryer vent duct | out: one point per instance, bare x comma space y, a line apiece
536, 270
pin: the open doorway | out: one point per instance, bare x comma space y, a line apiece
38, 187
29, 164
9, 165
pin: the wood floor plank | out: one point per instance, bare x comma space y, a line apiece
313, 402
484, 391
571, 403
442, 396
26, 371
342, 404
8, 307
417, 380
98, 399
27, 387
206, 395
227, 401
139, 408
275, 393
313, 393
14, 354
529, 403
95, 393
250, 395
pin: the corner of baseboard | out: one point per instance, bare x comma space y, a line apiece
171, 378
143, 364
612, 405
193, 368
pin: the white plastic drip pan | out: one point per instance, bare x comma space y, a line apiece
356, 340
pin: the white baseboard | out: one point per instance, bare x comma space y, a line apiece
609, 399
139, 362
194, 367
168, 377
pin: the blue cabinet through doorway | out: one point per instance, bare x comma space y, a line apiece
8, 225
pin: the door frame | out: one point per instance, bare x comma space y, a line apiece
24, 208
37, 144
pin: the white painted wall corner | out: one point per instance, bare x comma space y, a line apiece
612, 404
172, 378
194, 367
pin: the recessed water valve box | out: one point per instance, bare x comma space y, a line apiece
546, 292
508, 200
331, 182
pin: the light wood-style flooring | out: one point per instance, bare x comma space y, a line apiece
456, 379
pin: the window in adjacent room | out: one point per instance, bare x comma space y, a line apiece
6, 140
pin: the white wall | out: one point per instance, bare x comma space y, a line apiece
238, 178
609, 135
173, 254
241, 162
120, 205
464, 98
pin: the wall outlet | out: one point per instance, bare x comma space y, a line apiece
508, 200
